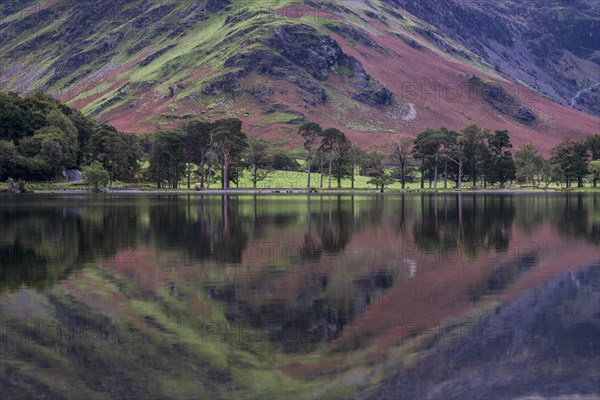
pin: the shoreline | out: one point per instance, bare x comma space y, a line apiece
215, 192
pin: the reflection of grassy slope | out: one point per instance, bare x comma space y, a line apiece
151, 365
199, 363
251, 368
170, 356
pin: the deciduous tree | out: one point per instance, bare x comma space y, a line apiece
529, 163
231, 142
95, 175
499, 166
401, 152
198, 141
258, 160
571, 156
311, 133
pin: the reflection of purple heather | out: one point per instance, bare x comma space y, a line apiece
271, 251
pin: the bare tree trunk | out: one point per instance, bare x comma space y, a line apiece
354, 170
329, 178
321, 171
189, 174
210, 169
202, 170
460, 167
403, 177
309, 162
435, 175
445, 174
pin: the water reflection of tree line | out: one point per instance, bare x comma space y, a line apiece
474, 223
40, 246
573, 216
219, 228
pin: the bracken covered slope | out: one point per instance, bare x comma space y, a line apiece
372, 68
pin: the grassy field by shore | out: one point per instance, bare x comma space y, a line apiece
290, 181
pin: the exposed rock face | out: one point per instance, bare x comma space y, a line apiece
502, 100
354, 35
320, 56
304, 57
553, 46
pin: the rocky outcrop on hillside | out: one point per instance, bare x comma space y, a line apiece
306, 58
553, 48
501, 99
294, 52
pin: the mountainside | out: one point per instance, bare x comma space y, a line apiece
371, 68
551, 46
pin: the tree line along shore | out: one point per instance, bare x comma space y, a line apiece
41, 137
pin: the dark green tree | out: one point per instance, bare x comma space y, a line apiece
499, 166
572, 158
342, 158
95, 175
593, 145
167, 160
58, 120
529, 164
429, 149
8, 158
12, 124
594, 168
455, 152
231, 143
197, 145
53, 149
401, 152
86, 127
258, 160
381, 180
282, 161
311, 134
336, 148
475, 151
117, 152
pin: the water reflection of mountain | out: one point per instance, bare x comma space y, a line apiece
349, 282
543, 343
324, 286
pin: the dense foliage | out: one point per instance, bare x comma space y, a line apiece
40, 137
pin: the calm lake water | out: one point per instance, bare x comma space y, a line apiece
296, 297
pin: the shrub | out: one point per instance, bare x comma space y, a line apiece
96, 176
